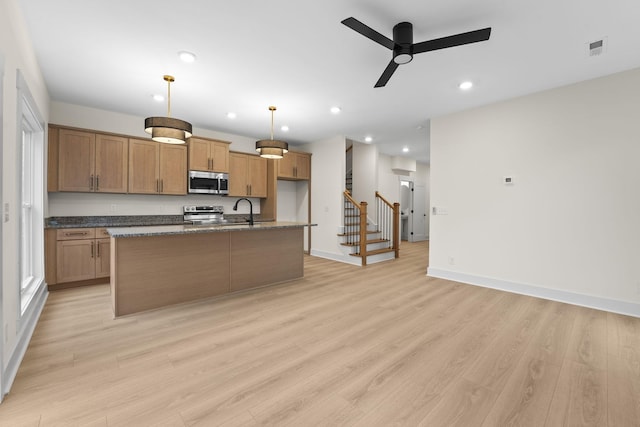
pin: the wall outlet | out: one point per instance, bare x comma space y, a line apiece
6, 212
452, 260
113, 208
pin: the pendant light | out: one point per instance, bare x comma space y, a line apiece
167, 129
270, 148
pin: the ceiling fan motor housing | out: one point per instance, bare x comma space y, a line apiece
403, 40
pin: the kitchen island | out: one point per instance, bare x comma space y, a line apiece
157, 266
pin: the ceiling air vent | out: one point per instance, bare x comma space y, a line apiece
596, 47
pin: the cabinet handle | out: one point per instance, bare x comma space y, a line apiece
157, 185
162, 185
97, 182
97, 249
92, 249
75, 233
90, 182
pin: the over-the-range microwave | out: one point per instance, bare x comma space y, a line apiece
208, 182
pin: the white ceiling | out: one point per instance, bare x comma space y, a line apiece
298, 56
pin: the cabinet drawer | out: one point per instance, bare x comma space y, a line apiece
76, 233
101, 233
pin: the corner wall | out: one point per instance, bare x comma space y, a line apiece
567, 228
18, 54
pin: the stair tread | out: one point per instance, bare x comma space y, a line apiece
355, 233
368, 242
375, 252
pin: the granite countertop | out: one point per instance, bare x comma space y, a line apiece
112, 221
163, 230
125, 220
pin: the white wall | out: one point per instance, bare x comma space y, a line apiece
365, 175
17, 50
568, 228
326, 195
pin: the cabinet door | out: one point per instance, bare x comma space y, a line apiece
103, 256
143, 167
238, 185
173, 169
220, 157
286, 165
112, 153
257, 176
303, 166
75, 260
76, 155
199, 155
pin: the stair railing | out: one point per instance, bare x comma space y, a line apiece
359, 226
389, 222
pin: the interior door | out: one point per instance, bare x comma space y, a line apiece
419, 213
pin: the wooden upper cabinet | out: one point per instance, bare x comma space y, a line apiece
257, 177
173, 169
144, 168
76, 160
238, 172
111, 161
91, 162
207, 155
220, 156
295, 166
247, 175
156, 168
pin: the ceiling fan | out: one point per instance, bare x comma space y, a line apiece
403, 46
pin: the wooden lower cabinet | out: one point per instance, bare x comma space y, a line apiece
79, 255
103, 251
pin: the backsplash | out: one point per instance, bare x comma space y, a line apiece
103, 204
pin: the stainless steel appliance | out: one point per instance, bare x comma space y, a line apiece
203, 214
208, 182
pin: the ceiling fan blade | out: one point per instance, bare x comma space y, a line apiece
386, 74
451, 41
368, 32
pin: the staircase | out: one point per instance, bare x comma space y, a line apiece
370, 242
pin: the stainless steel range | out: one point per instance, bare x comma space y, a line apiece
203, 214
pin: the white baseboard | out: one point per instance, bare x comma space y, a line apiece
590, 301
347, 259
27, 326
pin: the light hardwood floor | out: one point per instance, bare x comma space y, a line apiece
376, 346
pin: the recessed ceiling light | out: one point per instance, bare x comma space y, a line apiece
158, 98
368, 139
231, 115
335, 110
405, 150
186, 56
284, 128
466, 85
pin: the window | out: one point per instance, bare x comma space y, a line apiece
31, 193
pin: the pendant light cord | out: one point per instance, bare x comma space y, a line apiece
168, 98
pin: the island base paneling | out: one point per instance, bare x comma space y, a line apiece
259, 258
156, 271
153, 271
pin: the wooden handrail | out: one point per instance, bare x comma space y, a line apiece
379, 196
352, 200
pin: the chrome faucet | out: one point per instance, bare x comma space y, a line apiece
235, 208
